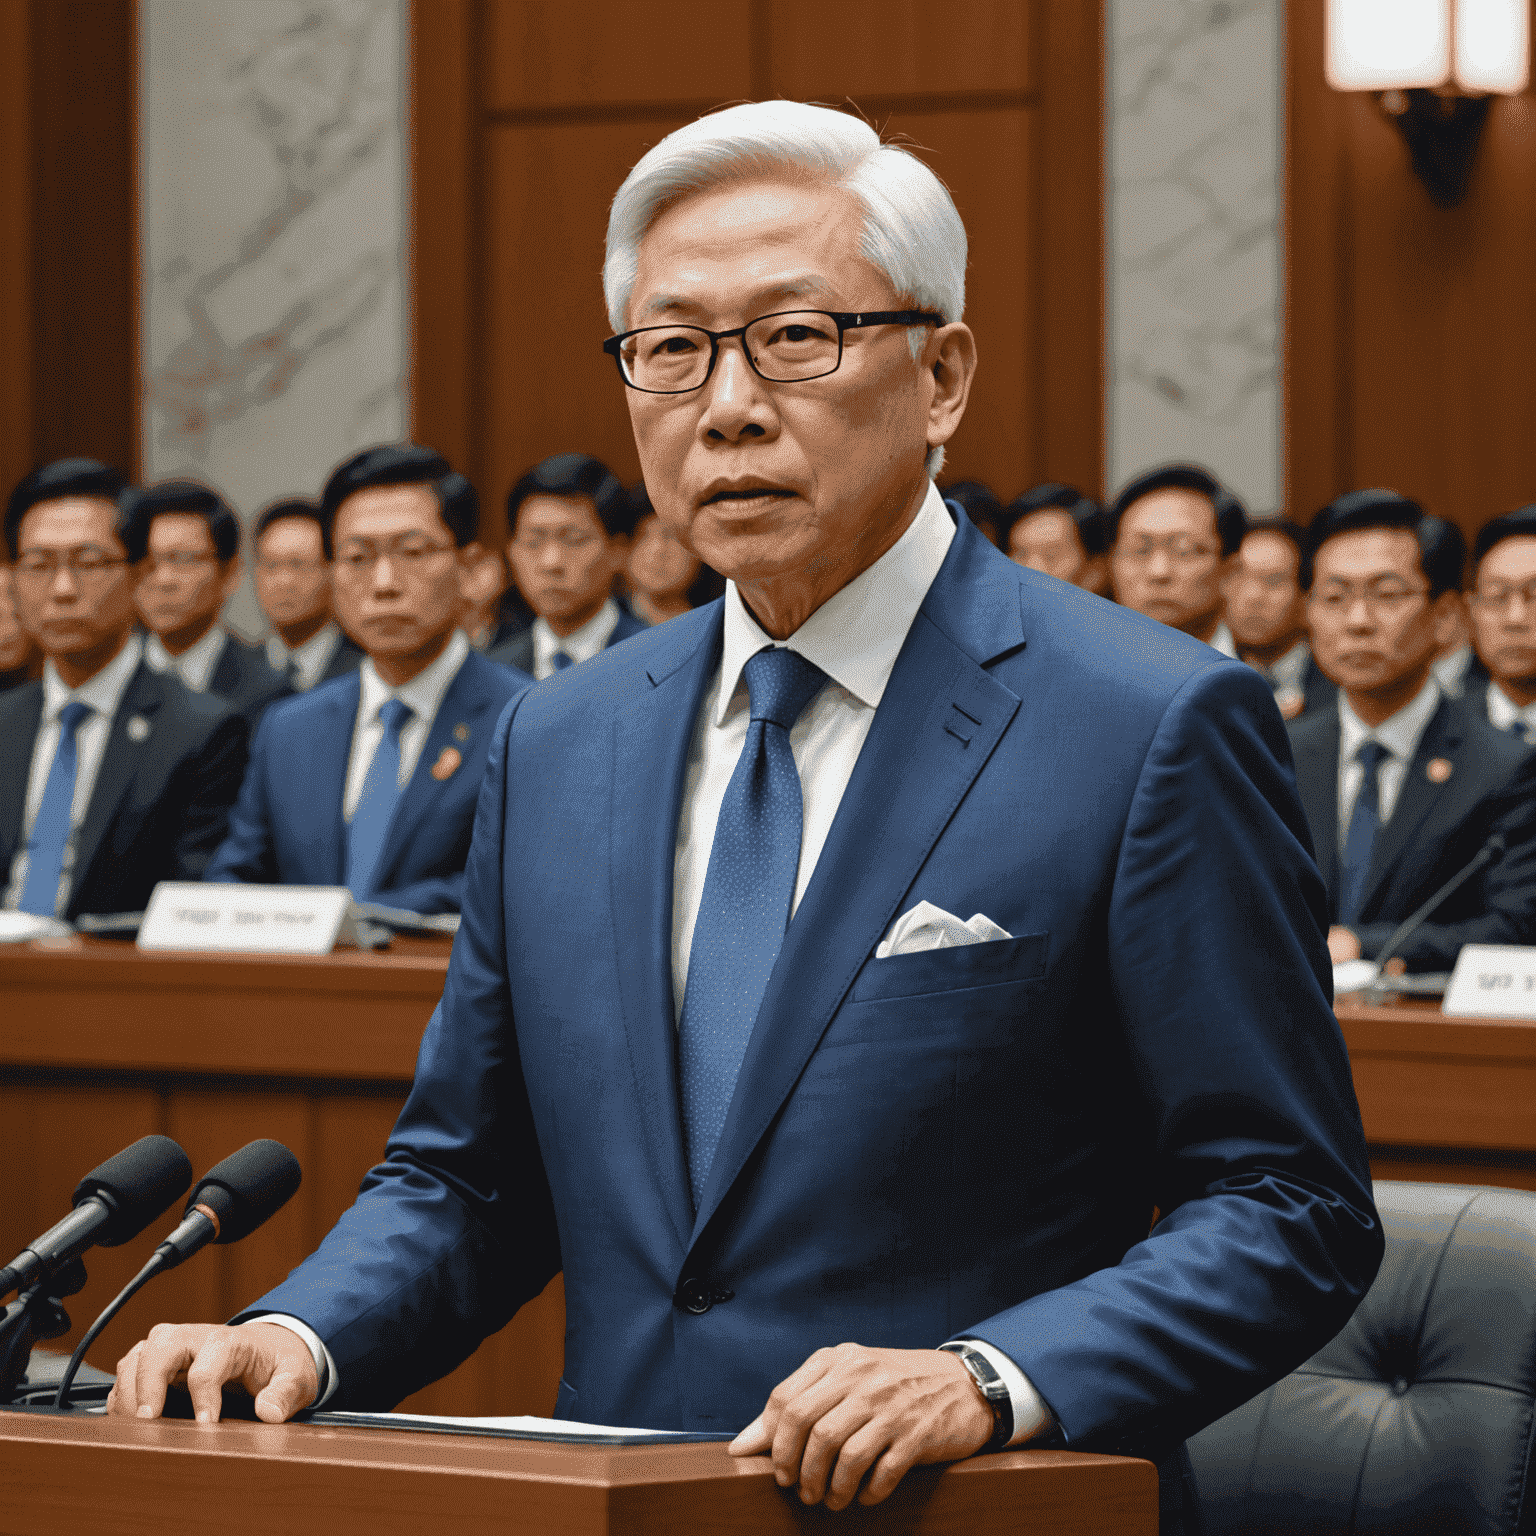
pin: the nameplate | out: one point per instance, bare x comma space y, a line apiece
1493, 981
245, 919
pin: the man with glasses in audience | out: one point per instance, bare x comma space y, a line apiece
370, 780
1267, 614
293, 586
1403, 786
1170, 534
569, 520
112, 777
193, 569
1503, 605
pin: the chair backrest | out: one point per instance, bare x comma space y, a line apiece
1418, 1417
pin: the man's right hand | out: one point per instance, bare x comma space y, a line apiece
271, 1363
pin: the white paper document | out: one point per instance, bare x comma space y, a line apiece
521, 1424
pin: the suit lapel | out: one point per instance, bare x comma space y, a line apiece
323, 798
649, 757
120, 763
1419, 797
23, 715
464, 703
938, 722
225, 679
1317, 782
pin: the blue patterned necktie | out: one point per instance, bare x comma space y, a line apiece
560, 661
744, 909
54, 820
376, 805
1363, 827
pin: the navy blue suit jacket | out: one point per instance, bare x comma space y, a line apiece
160, 804
968, 1141
287, 827
1486, 783
518, 651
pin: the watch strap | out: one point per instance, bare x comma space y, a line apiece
993, 1389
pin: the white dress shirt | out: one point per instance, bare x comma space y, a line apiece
424, 693
195, 664
1399, 734
309, 659
1222, 641
854, 637
103, 693
1451, 671
1504, 713
580, 645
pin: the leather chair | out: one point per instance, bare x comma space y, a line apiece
1418, 1417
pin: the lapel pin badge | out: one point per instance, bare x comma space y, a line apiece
461, 732
446, 763
1439, 770
138, 728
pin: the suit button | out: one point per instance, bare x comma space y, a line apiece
693, 1295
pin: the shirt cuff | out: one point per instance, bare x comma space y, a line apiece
1030, 1415
325, 1367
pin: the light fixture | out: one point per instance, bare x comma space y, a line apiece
1434, 66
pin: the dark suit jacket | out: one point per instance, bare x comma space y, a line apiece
967, 1141
288, 828
247, 680
518, 651
346, 658
160, 805
1436, 828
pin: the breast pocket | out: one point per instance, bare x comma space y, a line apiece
995, 963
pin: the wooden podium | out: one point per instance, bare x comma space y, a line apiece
91, 1475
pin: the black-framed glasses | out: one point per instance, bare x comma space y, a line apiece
786, 347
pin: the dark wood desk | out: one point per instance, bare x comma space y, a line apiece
100, 1044
1450, 1101
78, 1478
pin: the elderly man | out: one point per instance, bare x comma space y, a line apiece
937, 922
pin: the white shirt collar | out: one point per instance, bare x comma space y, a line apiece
309, 659
1399, 734
1451, 670
195, 664
1504, 712
1289, 670
103, 692
856, 635
424, 693
581, 644
1222, 641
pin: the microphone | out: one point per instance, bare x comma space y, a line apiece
112, 1205
1485, 856
230, 1201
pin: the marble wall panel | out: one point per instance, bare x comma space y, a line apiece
273, 230
1194, 260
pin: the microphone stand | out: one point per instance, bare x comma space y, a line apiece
38, 1313
1378, 991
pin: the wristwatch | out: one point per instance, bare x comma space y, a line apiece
993, 1389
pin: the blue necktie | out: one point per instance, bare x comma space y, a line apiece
51, 828
376, 804
1363, 827
560, 661
744, 909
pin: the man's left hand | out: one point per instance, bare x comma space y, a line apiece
849, 1411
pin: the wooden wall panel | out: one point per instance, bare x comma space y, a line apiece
1411, 329
1003, 98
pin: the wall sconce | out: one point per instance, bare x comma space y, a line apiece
1434, 66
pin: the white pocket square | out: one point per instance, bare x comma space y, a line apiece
929, 927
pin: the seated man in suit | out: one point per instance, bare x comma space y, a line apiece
1056, 529
1401, 785
1267, 614
193, 539
20, 659
569, 524
826, 1158
1170, 533
1503, 604
369, 781
112, 777
293, 586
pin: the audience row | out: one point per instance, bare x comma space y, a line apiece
348, 750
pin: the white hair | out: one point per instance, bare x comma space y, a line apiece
912, 230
